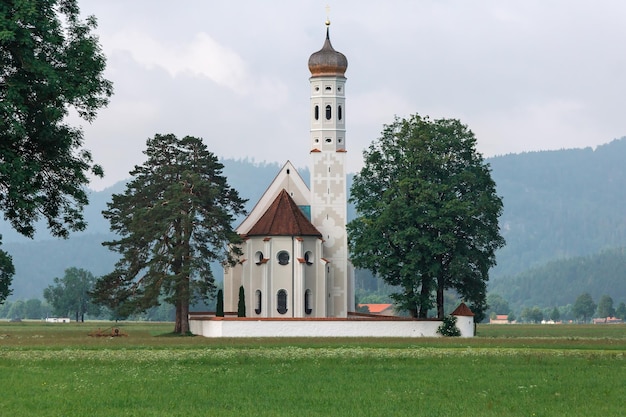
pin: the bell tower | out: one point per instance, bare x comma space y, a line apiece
328, 171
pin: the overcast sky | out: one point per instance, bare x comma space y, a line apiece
523, 75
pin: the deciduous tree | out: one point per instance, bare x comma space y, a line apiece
50, 64
17, 310
605, 307
620, 312
584, 307
6, 274
174, 219
427, 214
33, 309
70, 295
498, 304
555, 315
532, 315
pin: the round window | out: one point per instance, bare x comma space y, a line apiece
283, 257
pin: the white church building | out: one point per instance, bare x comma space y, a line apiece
295, 261
294, 269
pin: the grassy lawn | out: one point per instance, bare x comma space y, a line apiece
58, 370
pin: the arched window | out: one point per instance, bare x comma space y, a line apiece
257, 296
317, 112
258, 258
281, 301
308, 308
328, 112
339, 113
308, 257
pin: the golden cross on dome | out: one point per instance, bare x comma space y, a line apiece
327, 15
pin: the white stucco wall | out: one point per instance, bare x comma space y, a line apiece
218, 327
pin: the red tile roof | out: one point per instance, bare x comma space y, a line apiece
462, 310
283, 218
376, 308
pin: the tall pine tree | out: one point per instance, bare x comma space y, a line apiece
174, 219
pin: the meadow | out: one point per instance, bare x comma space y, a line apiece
507, 370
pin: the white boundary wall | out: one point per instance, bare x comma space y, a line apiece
246, 327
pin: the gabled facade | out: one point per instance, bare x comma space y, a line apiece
295, 251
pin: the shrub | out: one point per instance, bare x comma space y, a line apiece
219, 310
241, 305
448, 327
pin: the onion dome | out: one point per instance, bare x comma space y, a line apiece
327, 61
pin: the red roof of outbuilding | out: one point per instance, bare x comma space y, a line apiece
376, 308
283, 218
462, 310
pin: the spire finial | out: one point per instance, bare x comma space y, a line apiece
327, 15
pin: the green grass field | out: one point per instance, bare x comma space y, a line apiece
58, 370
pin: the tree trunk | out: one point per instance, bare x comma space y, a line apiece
182, 318
440, 309
182, 308
184, 314
424, 294
177, 321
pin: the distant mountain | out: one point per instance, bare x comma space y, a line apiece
557, 205
560, 204
560, 282
40, 260
37, 263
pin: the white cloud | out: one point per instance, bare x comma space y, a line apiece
522, 75
200, 56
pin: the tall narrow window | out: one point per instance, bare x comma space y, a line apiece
339, 113
258, 258
328, 112
317, 112
257, 296
307, 302
281, 301
308, 257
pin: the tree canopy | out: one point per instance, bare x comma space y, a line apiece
50, 64
605, 307
173, 219
6, 274
427, 214
584, 307
70, 295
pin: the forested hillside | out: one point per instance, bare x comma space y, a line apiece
560, 204
39, 261
560, 282
557, 205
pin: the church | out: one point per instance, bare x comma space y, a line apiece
295, 250
294, 269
